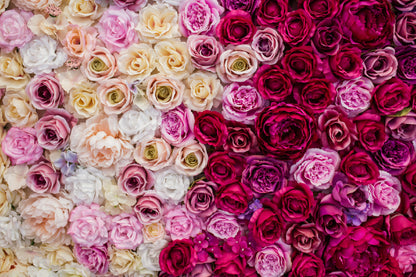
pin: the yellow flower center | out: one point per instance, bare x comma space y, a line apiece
164, 94
191, 160
98, 65
239, 64
115, 96
150, 152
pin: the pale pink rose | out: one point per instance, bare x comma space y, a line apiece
190, 159
89, 226
180, 224
384, 194
153, 154
135, 179
13, 29
43, 178
45, 218
115, 95
99, 143
149, 208
79, 41
273, 260
125, 231
45, 92
268, 45
21, 146
133, 5
405, 256
165, 93
223, 225
99, 65
177, 126
205, 51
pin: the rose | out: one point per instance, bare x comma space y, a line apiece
3, 5
149, 254
177, 126
21, 146
223, 225
404, 5
165, 93
200, 198
125, 231
83, 99
327, 37
233, 198
329, 217
208, 13
264, 174
273, 260
12, 75
88, 226
315, 95
210, 128
43, 178
153, 154
409, 180
236, 28
172, 185
204, 91
82, 13
359, 168
230, 264
244, 5
95, 258
405, 257
17, 109
237, 64
240, 139
279, 122
140, 125
265, 226
395, 156
295, 202
405, 22
392, 96
79, 41
205, 51
190, 159
354, 96
180, 224
307, 264
304, 237
41, 55
403, 127
135, 179
242, 103
384, 195
346, 63
224, 168
138, 61
406, 57
371, 133
173, 58
115, 95
271, 12
99, 64
133, 5
373, 31
297, 29
380, 65
45, 92
122, 261
14, 31
178, 258
301, 63
319, 9
148, 208
403, 230
54, 128
273, 83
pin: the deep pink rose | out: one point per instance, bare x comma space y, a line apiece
43, 178
224, 168
45, 92
233, 198
200, 198
329, 217
240, 139
297, 29
315, 95
178, 257
125, 231
327, 37
149, 208
236, 28
135, 179
273, 82
346, 63
230, 264
271, 12
301, 63
408, 180
21, 146
14, 31
392, 96
210, 128
307, 265
320, 9
403, 230
359, 168
177, 126
94, 258
371, 133
265, 226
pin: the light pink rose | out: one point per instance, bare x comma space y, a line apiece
79, 41
99, 64
200, 198
354, 96
223, 225
177, 126
89, 226
43, 178
180, 224
13, 29
405, 256
115, 95
380, 65
273, 260
205, 51
45, 92
190, 159
125, 231
165, 93
268, 45
135, 179
21, 146
384, 194
149, 208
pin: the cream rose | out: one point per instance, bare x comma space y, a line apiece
153, 232
3, 5
99, 143
35, 4
83, 100
99, 64
57, 255
116, 201
123, 261
7, 259
165, 93
204, 91
18, 110
137, 62
50, 26
115, 95
74, 270
5, 200
153, 154
83, 12
158, 22
190, 159
12, 75
173, 58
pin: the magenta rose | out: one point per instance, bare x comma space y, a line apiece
236, 28
395, 156
245, 5
392, 96
369, 24
210, 128
233, 198
409, 180
380, 65
240, 139
404, 5
125, 231
43, 178
14, 30
116, 28
404, 29
224, 168
406, 58
403, 230
273, 83
94, 258
230, 264
359, 168
297, 29
199, 17
403, 127
205, 51
177, 126
271, 12
329, 217
149, 208
223, 225
181, 224
21, 146
346, 63
371, 133
133, 5
284, 130
320, 9
265, 226
307, 265
200, 198
268, 45
304, 237
315, 95
45, 92
178, 257
135, 179
327, 37
301, 63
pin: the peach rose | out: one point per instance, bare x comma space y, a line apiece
82, 12
153, 154
99, 64
153, 232
137, 62
115, 95
78, 41
190, 159
165, 93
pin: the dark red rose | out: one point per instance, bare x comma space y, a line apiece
265, 226
178, 257
236, 28
409, 180
347, 63
297, 29
301, 63
233, 198
240, 139
230, 264
329, 217
359, 168
315, 95
320, 9
271, 12
210, 128
307, 265
224, 168
392, 96
371, 134
273, 83
327, 37
304, 237
402, 229
284, 130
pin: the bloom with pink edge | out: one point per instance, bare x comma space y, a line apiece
125, 231
14, 31
21, 146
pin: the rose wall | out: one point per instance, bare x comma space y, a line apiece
208, 138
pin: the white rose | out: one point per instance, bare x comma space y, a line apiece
40, 272
140, 125
74, 270
171, 185
85, 186
9, 230
150, 252
123, 261
41, 55
15, 176
116, 201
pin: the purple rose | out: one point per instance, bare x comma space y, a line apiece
200, 198
199, 17
205, 51
402, 127
242, 102
95, 258
395, 156
354, 96
329, 217
21, 146
43, 178
380, 65
177, 126
45, 92
268, 45
245, 5
133, 5
404, 33
125, 231
116, 28
297, 29
135, 179
384, 195
271, 12
14, 31
236, 28
406, 70
223, 225
327, 37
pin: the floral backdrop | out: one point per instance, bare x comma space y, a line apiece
208, 138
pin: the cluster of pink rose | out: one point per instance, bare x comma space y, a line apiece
208, 138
